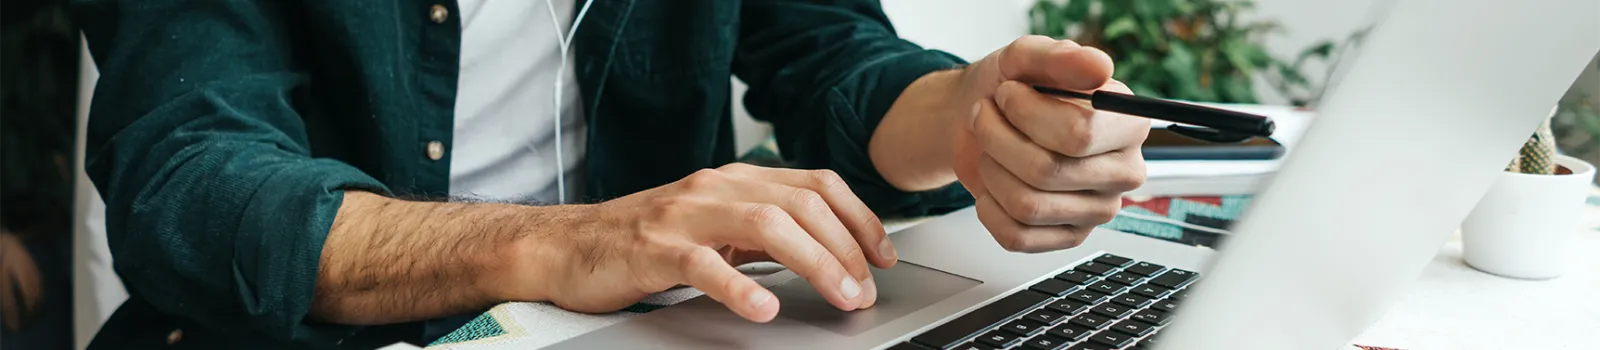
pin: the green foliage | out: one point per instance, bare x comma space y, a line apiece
1576, 126
1199, 50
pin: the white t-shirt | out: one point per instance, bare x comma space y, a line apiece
505, 137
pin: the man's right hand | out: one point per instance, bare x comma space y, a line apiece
623, 250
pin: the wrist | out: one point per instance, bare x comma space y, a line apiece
527, 258
911, 146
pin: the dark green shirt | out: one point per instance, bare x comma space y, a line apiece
223, 133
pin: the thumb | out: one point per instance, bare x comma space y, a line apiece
1060, 64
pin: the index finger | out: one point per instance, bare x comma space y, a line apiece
1060, 64
855, 215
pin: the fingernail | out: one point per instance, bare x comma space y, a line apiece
886, 250
972, 119
759, 299
872, 293
849, 288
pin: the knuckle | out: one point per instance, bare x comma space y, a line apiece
1044, 170
809, 201
735, 166
1105, 213
767, 217
1025, 208
1015, 242
686, 258
819, 260
703, 179
826, 179
1075, 141
1078, 234
852, 254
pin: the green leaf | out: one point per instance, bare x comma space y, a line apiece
1591, 122
1076, 10
1320, 51
1119, 27
1154, 32
1183, 66
1236, 89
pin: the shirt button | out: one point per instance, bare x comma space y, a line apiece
175, 336
438, 14
435, 150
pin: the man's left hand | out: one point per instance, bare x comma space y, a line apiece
1045, 170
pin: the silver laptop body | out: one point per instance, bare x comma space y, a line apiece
1433, 108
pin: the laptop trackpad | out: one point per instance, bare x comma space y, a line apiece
903, 289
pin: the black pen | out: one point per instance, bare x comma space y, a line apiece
1215, 124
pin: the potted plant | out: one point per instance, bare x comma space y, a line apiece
1521, 227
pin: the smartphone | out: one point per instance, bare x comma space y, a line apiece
1164, 144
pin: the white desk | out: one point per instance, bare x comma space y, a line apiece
1453, 306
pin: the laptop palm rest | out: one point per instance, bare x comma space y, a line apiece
903, 289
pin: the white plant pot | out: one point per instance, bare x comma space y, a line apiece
1521, 228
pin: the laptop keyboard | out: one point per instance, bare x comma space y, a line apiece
1107, 303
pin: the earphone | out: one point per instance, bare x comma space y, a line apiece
563, 42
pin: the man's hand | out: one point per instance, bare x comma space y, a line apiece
1045, 170
628, 248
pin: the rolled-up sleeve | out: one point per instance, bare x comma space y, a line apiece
216, 210
825, 72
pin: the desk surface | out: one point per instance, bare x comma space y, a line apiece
1451, 306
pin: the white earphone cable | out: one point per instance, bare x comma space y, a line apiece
562, 41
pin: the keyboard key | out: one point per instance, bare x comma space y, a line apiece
975, 346
1095, 268
1144, 269
1172, 279
1053, 287
910, 346
1110, 338
1125, 278
1150, 291
1152, 317
997, 338
948, 334
1134, 328
1046, 317
1165, 305
1070, 332
1091, 346
1111, 310
1113, 260
1087, 297
1067, 307
1131, 300
1078, 277
1045, 342
1182, 294
1107, 287
1090, 320
1148, 342
1023, 327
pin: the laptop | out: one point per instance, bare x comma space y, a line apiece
1437, 103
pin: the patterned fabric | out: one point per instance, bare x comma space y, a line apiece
1180, 219
482, 327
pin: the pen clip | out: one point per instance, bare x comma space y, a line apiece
1207, 134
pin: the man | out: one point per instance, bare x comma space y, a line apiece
262, 161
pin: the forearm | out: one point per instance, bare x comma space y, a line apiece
912, 146
388, 260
